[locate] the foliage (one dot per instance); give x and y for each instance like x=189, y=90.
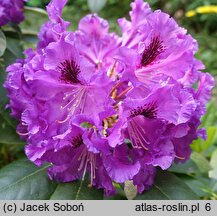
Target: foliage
x=193, y=180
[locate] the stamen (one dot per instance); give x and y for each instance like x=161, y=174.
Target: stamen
x=22, y=134
x=85, y=169
x=137, y=135
x=123, y=93
x=115, y=87
x=92, y=168
x=69, y=94
x=112, y=71
x=99, y=64
x=152, y=51
x=181, y=158
x=63, y=121
x=85, y=159
x=82, y=159
x=77, y=103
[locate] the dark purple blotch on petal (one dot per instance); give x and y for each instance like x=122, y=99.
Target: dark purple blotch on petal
x=148, y=110
x=69, y=72
x=152, y=51
x=77, y=141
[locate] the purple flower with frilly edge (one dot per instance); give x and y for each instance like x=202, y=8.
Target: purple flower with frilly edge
x=112, y=108
x=11, y=11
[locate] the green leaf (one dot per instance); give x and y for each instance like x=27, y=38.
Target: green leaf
x=213, y=163
x=8, y=133
x=211, y=137
x=35, y=2
x=199, y=185
x=23, y=180
x=30, y=36
x=11, y=34
x=215, y=187
x=201, y=161
x=213, y=173
x=188, y=168
x=3, y=98
x=154, y=194
x=77, y=190
x=168, y=187
x=34, y=19
x=14, y=46
x=14, y=51
x=3, y=43
x=115, y=197
x=16, y=28
x=209, y=119
x=201, y=145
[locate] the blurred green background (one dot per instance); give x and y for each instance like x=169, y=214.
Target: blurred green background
x=200, y=173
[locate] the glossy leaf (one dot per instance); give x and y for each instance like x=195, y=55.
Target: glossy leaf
x=14, y=46
x=188, y=167
x=215, y=187
x=23, y=180
x=77, y=190
x=199, y=185
x=213, y=163
x=3, y=43
x=168, y=187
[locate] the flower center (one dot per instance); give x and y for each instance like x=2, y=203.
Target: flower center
x=69, y=72
x=152, y=51
x=109, y=122
x=148, y=110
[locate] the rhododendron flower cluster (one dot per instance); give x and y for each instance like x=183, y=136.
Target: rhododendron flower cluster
x=11, y=11
x=107, y=107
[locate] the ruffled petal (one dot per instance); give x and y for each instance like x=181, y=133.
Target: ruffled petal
x=118, y=165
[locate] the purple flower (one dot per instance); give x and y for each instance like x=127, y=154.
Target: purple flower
x=55, y=27
x=112, y=108
x=11, y=11
x=95, y=42
x=154, y=44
